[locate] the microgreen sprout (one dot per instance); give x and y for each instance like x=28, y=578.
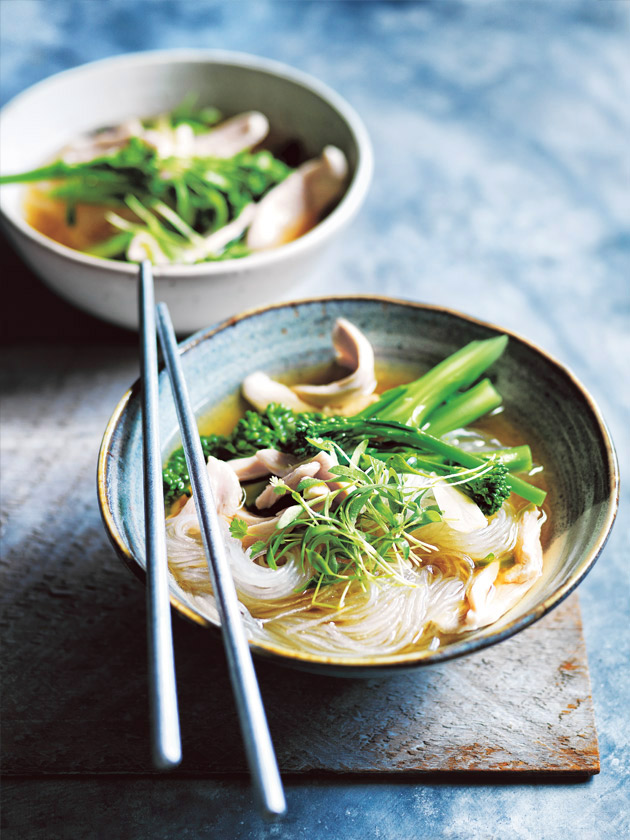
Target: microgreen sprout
x=362, y=530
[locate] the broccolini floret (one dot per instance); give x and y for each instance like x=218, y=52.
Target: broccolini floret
x=274, y=428
x=489, y=489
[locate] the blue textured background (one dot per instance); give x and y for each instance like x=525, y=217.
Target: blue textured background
x=502, y=188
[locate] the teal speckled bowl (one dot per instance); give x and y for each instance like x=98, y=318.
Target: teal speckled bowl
x=543, y=400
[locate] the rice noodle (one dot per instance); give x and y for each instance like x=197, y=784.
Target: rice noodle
x=450, y=581
x=188, y=563
x=386, y=618
x=499, y=538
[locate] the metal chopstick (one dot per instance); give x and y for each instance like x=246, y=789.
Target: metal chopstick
x=257, y=739
x=165, y=733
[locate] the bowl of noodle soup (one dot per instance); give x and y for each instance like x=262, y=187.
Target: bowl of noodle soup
x=287, y=117
x=393, y=627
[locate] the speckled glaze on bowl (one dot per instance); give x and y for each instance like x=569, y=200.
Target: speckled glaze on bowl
x=109, y=91
x=542, y=399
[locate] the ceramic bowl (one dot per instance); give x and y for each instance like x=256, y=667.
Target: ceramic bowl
x=543, y=401
x=109, y=91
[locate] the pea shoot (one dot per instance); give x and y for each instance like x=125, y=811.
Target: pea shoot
x=358, y=532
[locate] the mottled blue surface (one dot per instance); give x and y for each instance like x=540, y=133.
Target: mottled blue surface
x=502, y=188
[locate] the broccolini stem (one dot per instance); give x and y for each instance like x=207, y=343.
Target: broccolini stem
x=372, y=411
x=516, y=458
x=416, y=438
x=463, y=409
x=413, y=403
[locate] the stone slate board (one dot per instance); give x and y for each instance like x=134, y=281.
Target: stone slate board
x=74, y=697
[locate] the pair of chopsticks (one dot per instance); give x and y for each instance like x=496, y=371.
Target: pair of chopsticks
x=162, y=689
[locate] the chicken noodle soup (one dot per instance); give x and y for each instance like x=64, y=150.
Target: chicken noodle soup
x=184, y=187
x=358, y=523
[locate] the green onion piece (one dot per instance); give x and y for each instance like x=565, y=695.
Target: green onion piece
x=112, y=247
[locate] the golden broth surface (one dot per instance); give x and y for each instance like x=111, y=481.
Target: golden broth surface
x=48, y=216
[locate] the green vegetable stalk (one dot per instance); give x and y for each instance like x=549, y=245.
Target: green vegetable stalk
x=389, y=429
x=462, y=409
x=348, y=432
x=413, y=403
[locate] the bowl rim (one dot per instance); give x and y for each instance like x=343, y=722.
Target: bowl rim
x=346, y=208
x=354, y=665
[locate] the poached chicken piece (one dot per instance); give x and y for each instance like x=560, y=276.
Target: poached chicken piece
x=343, y=396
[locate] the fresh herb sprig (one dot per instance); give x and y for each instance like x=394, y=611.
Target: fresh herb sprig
x=362, y=531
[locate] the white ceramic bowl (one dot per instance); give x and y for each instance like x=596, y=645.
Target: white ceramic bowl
x=38, y=122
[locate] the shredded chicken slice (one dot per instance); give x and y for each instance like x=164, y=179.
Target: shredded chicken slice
x=260, y=390
x=296, y=204
x=225, y=486
x=317, y=467
x=480, y=592
x=268, y=497
x=233, y=136
x=490, y=600
x=354, y=351
x=347, y=395
x=326, y=461
x=228, y=497
x=528, y=549
x=101, y=143
x=277, y=463
x=264, y=462
x=169, y=142
x=248, y=469
x=258, y=527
